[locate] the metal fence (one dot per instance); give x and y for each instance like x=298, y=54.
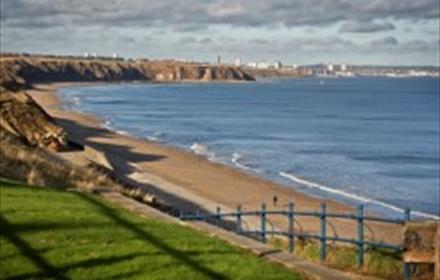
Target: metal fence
x=322, y=236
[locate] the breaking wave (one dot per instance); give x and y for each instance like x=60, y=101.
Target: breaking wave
x=202, y=150
x=314, y=185
x=236, y=157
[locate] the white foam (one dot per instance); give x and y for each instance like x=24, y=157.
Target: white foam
x=76, y=100
x=236, y=160
x=108, y=124
x=122, y=132
x=199, y=149
x=315, y=185
x=202, y=150
x=152, y=138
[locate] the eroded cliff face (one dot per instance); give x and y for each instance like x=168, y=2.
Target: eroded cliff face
x=29, y=70
x=22, y=117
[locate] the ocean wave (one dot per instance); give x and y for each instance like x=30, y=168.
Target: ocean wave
x=152, y=138
x=236, y=157
x=156, y=136
x=356, y=197
x=108, y=124
x=122, y=132
x=76, y=101
x=71, y=102
x=202, y=150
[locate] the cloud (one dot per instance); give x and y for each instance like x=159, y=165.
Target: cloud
x=192, y=14
x=385, y=41
x=328, y=44
x=205, y=40
x=187, y=40
x=366, y=27
x=259, y=41
x=127, y=39
x=296, y=29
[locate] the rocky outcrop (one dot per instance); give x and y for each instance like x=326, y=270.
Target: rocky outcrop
x=22, y=117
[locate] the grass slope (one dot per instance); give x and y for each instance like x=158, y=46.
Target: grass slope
x=46, y=233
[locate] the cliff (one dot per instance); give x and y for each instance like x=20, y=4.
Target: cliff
x=28, y=133
x=21, y=116
x=276, y=73
x=26, y=71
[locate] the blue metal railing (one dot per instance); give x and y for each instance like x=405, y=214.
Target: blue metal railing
x=322, y=215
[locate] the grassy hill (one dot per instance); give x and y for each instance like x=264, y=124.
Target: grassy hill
x=47, y=233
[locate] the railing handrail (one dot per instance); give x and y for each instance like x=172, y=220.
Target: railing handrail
x=322, y=215
x=296, y=213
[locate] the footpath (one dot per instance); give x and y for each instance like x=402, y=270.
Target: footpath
x=311, y=270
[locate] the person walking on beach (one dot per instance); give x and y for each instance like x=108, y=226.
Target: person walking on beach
x=275, y=200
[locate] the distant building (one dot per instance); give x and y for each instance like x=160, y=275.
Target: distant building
x=237, y=62
x=343, y=67
x=330, y=67
x=252, y=64
x=278, y=64
x=115, y=55
x=219, y=59
x=263, y=65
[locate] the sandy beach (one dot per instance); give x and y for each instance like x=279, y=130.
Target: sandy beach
x=192, y=182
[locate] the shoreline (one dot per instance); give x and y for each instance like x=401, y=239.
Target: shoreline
x=205, y=183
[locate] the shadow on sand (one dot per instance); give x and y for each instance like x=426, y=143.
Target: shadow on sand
x=121, y=157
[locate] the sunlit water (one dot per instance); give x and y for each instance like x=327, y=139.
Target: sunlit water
x=359, y=140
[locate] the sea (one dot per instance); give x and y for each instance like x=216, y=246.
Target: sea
x=370, y=141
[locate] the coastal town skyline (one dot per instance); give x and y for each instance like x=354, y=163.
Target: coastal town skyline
x=362, y=32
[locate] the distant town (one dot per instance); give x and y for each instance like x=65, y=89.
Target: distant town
x=278, y=68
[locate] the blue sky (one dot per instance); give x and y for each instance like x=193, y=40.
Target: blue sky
x=393, y=32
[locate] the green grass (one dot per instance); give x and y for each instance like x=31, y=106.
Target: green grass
x=48, y=233
x=379, y=263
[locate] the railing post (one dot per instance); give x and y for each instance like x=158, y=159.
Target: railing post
x=290, y=227
x=406, y=271
x=407, y=214
x=263, y=223
x=238, y=229
x=218, y=216
x=360, y=236
x=323, y=236
x=407, y=266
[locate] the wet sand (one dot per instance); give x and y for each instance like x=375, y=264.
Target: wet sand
x=189, y=181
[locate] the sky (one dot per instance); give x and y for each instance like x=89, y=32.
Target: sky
x=383, y=32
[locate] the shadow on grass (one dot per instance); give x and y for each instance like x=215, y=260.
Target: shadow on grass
x=11, y=232
x=45, y=267
x=180, y=256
